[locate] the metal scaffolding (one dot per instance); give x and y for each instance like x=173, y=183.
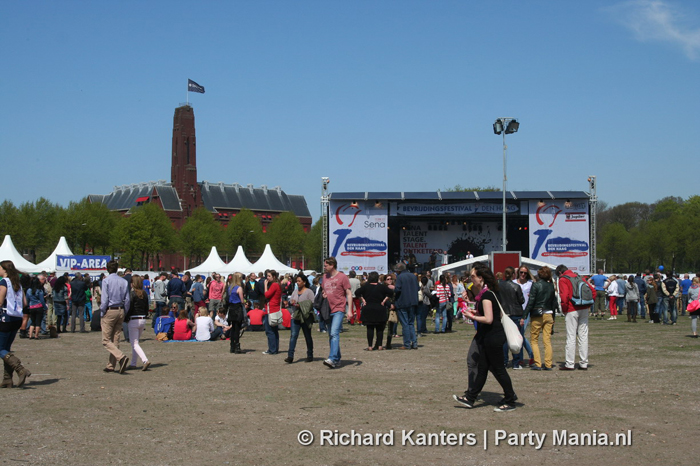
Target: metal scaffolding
x=593, y=202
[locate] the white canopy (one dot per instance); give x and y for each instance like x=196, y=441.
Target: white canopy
x=212, y=264
x=239, y=263
x=62, y=249
x=269, y=261
x=465, y=264
x=9, y=252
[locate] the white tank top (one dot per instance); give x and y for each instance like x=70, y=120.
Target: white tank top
x=13, y=299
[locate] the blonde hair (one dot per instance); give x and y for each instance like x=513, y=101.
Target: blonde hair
x=203, y=311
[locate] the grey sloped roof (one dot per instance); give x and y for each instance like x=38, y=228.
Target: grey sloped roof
x=124, y=197
x=234, y=196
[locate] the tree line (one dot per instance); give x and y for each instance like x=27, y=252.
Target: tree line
x=635, y=236
x=146, y=234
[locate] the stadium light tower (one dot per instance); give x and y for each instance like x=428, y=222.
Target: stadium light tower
x=505, y=126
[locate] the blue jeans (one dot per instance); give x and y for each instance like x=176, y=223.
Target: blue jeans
x=526, y=342
x=296, y=327
x=642, y=308
x=422, y=318
x=670, y=308
x=6, y=338
x=273, y=336
x=407, y=317
x=160, y=305
x=334, y=336
x=517, y=358
x=441, y=311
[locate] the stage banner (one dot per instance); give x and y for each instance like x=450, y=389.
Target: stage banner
x=79, y=263
x=358, y=236
x=560, y=234
x=462, y=208
x=422, y=239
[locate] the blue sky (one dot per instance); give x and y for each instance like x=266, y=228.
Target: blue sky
x=377, y=95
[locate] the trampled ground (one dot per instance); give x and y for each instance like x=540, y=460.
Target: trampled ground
x=199, y=404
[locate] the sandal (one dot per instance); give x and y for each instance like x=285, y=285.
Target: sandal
x=381, y=348
x=369, y=349
x=504, y=408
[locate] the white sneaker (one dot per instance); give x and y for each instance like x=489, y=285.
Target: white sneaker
x=611, y=318
x=330, y=364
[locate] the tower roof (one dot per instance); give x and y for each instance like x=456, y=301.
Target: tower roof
x=235, y=197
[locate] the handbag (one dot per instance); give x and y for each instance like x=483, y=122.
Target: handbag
x=694, y=305
x=393, y=317
x=515, y=339
x=274, y=318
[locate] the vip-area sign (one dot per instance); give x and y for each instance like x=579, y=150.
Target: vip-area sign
x=560, y=234
x=358, y=236
x=82, y=262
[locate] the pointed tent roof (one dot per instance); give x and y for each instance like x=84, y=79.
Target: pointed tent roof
x=239, y=263
x=62, y=249
x=9, y=252
x=269, y=261
x=213, y=263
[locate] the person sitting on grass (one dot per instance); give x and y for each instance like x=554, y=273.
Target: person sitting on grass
x=205, y=326
x=256, y=318
x=223, y=329
x=183, y=327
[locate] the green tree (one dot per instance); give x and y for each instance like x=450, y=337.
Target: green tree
x=286, y=235
x=10, y=221
x=245, y=230
x=614, y=246
x=144, y=235
x=199, y=233
x=313, y=246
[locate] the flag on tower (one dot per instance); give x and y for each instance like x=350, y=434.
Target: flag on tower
x=194, y=87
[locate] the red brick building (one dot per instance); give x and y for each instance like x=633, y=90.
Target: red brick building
x=183, y=194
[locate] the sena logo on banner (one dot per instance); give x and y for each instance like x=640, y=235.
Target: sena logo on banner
x=560, y=234
x=358, y=234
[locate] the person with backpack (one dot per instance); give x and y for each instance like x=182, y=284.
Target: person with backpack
x=577, y=297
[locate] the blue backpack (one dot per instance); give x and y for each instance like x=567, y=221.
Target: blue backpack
x=582, y=293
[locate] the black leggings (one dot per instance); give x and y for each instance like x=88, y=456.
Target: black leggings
x=36, y=315
x=235, y=333
x=371, y=330
x=489, y=354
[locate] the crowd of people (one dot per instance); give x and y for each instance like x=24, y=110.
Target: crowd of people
x=184, y=308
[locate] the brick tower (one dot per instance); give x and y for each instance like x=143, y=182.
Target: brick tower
x=184, y=163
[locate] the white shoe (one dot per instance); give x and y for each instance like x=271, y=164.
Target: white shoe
x=330, y=364
x=611, y=318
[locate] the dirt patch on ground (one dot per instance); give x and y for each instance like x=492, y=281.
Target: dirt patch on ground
x=199, y=404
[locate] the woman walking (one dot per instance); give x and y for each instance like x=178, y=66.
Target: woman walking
x=443, y=292
x=302, y=299
x=13, y=300
x=693, y=294
x=487, y=345
x=540, y=308
x=136, y=321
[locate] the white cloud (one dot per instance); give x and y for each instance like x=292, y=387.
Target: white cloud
x=658, y=20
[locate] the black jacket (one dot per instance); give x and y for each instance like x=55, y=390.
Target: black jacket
x=511, y=296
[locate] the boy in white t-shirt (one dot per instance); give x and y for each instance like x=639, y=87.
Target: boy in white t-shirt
x=223, y=329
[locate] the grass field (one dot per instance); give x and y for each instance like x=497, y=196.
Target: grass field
x=199, y=404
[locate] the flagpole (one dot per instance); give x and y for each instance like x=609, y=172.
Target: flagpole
x=187, y=99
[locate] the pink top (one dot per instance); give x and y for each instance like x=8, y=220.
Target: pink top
x=335, y=288
x=216, y=290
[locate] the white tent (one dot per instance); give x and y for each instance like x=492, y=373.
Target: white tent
x=62, y=249
x=466, y=264
x=239, y=263
x=269, y=261
x=212, y=264
x=9, y=252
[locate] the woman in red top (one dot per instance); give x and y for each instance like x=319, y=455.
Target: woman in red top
x=183, y=327
x=273, y=296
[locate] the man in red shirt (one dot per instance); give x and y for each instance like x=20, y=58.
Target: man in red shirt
x=336, y=289
x=576, y=319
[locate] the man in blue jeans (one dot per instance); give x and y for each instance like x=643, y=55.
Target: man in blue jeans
x=336, y=289
x=406, y=293
x=512, y=301
x=670, y=291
